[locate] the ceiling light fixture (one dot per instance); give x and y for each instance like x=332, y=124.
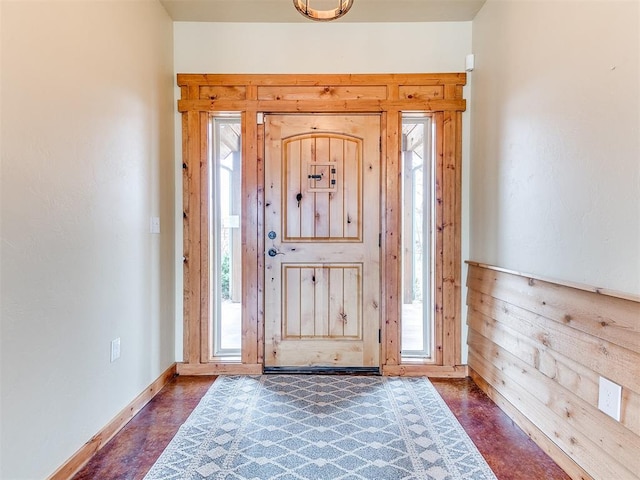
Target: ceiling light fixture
x=322, y=15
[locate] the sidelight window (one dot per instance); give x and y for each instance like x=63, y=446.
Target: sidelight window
x=417, y=234
x=225, y=264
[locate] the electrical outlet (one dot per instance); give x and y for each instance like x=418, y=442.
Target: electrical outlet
x=115, y=349
x=610, y=398
x=154, y=225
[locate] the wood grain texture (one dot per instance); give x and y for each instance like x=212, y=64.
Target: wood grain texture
x=250, y=242
x=322, y=301
x=216, y=368
x=323, y=92
x=544, y=442
x=226, y=92
x=611, y=436
x=609, y=318
x=451, y=163
x=100, y=439
x=329, y=206
x=392, y=239
x=439, y=251
x=563, y=283
x=384, y=202
x=304, y=106
x=198, y=79
x=302, y=310
x=204, y=350
x=421, y=370
x=259, y=217
x=541, y=347
x=456, y=249
x=389, y=94
x=421, y=92
x=187, y=294
x=192, y=242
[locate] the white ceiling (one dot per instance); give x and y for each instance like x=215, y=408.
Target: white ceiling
x=284, y=11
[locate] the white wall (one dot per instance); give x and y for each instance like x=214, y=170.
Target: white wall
x=555, y=164
x=321, y=48
x=87, y=158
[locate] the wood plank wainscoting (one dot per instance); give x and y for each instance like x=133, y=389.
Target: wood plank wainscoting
x=538, y=348
x=439, y=96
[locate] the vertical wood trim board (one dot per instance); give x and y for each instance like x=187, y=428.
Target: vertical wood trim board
x=260, y=245
x=191, y=132
x=438, y=290
x=540, y=347
x=250, y=242
x=450, y=280
x=205, y=247
x=392, y=252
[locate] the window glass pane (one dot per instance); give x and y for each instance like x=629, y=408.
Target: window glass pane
x=225, y=236
x=417, y=256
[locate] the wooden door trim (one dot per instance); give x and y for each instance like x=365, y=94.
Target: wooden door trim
x=203, y=95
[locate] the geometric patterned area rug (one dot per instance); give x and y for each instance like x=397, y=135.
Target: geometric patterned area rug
x=321, y=428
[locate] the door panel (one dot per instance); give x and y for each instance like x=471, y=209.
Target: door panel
x=325, y=168
x=322, y=225
x=321, y=301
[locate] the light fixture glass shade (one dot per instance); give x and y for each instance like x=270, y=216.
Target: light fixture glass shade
x=304, y=7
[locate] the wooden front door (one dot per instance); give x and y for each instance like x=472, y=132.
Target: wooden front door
x=322, y=234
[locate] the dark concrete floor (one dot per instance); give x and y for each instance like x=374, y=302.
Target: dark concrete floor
x=510, y=453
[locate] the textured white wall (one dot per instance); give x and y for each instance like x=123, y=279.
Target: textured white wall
x=555, y=163
x=321, y=48
x=87, y=152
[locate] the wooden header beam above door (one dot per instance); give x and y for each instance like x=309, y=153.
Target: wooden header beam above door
x=322, y=93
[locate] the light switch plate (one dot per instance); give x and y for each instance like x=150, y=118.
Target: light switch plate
x=115, y=349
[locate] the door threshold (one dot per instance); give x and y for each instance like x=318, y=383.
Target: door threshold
x=324, y=370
